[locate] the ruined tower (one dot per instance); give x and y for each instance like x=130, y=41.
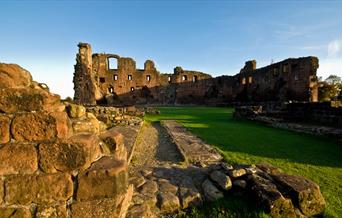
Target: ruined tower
x=83, y=80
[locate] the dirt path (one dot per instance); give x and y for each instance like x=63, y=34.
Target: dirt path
x=163, y=181
x=154, y=148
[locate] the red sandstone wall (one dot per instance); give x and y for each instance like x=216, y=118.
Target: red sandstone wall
x=291, y=79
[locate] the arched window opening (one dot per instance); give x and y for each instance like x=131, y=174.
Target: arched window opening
x=111, y=89
x=148, y=78
x=194, y=79
x=112, y=64
x=115, y=77
x=169, y=79
x=184, y=78
x=132, y=89
x=130, y=77
x=243, y=81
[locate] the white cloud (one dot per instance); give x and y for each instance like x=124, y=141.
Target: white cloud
x=329, y=66
x=334, y=47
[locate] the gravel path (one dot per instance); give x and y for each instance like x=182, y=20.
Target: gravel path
x=154, y=148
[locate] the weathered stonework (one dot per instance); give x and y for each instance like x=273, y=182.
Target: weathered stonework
x=97, y=81
x=46, y=148
x=18, y=159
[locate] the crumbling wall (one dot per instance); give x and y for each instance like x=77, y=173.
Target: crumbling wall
x=56, y=160
x=84, y=83
x=288, y=80
x=292, y=79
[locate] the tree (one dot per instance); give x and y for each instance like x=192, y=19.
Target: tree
x=330, y=89
x=333, y=79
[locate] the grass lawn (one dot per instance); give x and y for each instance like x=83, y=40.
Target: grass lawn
x=317, y=158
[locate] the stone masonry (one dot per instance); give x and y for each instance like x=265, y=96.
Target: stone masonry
x=56, y=160
x=108, y=79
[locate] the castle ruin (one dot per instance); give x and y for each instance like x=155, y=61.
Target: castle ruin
x=108, y=79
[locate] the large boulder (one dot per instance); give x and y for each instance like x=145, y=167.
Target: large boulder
x=305, y=194
x=270, y=198
x=12, y=75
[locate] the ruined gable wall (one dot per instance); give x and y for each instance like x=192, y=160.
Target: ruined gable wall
x=290, y=79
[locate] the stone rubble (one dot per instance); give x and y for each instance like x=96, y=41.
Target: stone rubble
x=162, y=191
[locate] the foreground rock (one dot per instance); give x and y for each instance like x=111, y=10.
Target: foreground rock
x=305, y=194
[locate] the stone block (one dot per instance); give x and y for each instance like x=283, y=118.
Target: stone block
x=168, y=202
x=12, y=75
x=15, y=212
x=2, y=191
x=56, y=211
x=190, y=197
x=86, y=125
x=14, y=100
x=106, y=178
x=39, y=189
x=269, y=197
x=211, y=193
x=76, y=111
x=76, y=153
x=18, y=159
x=140, y=210
x=221, y=179
x=33, y=127
x=63, y=124
x=305, y=194
x=235, y=173
x=4, y=129
x=113, y=139
x=109, y=207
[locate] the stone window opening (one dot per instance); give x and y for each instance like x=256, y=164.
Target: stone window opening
x=275, y=71
x=115, y=77
x=184, y=78
x=243, y=81
x=169, y=79
x=112, y=63
x=132, y=89
x=111, y=89
x=130, y=77
x=250, y=80
x=194, y=79
x=102, y=80
x=148, y=78
x=296, y=77
x=285, y=68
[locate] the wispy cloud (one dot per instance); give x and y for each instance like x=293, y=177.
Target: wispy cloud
x=332, y=63
x=334, y=48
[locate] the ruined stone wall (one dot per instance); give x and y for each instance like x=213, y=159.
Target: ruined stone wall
x=123, y=84
x=291, y=79
x=56, y=160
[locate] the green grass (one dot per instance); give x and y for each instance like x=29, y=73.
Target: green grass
x=317, y=158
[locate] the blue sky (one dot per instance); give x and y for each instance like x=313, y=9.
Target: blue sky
x=211, y=36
